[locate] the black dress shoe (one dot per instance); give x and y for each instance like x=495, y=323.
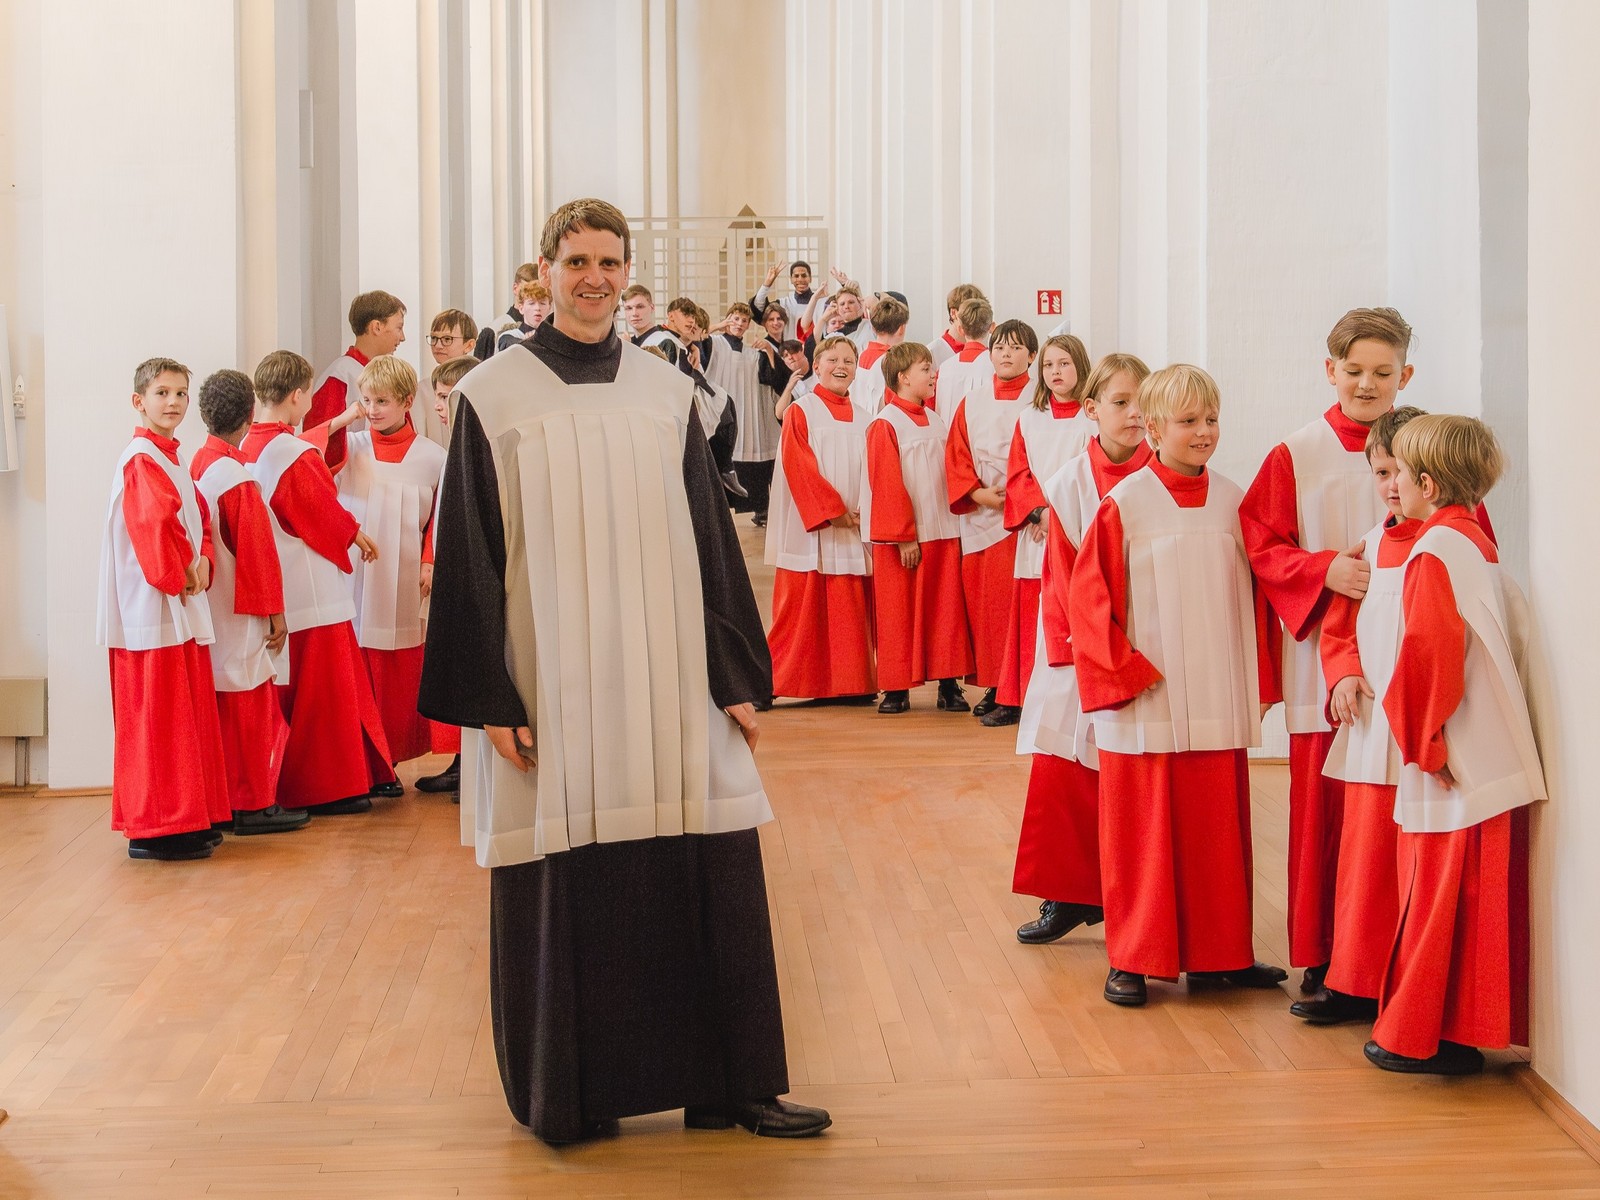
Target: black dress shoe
x=770, y=1117
x=1057, y=919
x=1314, y=980
x=1125, y=988
x=272, y=819
x=1329, y=1007
x=1001, y=714
x=985, y=706
x=175, y=847
x=212, y=837
x=1451, y=1058
x=340, y=808
x=222, y=826
x=1257, y=975
x=951, y=698
x=392, y=790
x=447, y=780
x=762, y=705
x=591, y=1131
x=759, y=520
x=895, y=702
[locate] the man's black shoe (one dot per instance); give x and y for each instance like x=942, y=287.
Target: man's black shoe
x=1056, y=920
x=1257, y=975
x=895, y=702
x=175, y=847
x=392, y=790
x=1313, y=980
x=951, y=698
x=1329, y=1007
x=985, y=706
x=447, y=780
x=340, y=808
x=272, y=819
x=1125, y=988
x=1451, y=1058
x=770, y=1117
x=1001, y=714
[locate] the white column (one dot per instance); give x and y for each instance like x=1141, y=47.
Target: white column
x=1093, y=175
x=140, y=186
x=1563, y=308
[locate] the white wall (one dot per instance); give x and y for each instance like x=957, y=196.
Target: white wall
x=1563, y=310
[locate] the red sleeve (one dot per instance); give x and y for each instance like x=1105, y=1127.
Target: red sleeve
x=1023, y=493
x=208, y=549
x=1483, y=521
x=1430, y=671
x=960, y=469
x=330, y=400
x=893, y=519
x=306, y=504
x=817, y=499
x=1341, y=656
x=1059, y=556
x=1110, y=671
x=153, y=511
x=1269, y=648
x=1294, y=579
x=246, y=530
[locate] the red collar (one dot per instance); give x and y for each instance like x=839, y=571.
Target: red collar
x=838, y=405
x=403, y=436
x=1188, y=490
x=916, y=411
x=221, y=448
x=167, y=446
x=970, y=351
x=1010, y=389
x=1352, y=434
x=361, y=358
x=955, y=346
x=1108, y=474
x=1064, y=410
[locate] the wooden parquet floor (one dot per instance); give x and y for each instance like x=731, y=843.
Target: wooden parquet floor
x=307, y=1016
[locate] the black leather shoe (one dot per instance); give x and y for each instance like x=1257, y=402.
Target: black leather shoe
x=1125, y=988
x=895, y=702
x=340, y=808
x=212, y=836
x=175, y=847
x=447, y=780
x=1314, y=980
x=1001, y=714
x=222, y=826
x=1329, y=1007
x=392, y=790
x=1257, y=975
x=1451, y=1058
x=951, y=698
x=1057, y=919
x=759, y=520
x=770, y=1117
x=762, y=705
x=985, y=706
x=272, y=819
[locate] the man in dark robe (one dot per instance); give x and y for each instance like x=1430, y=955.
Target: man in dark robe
x=631, y=972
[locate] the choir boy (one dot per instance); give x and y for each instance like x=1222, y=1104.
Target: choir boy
x=1050, y=432
x=982, y=424
x=336, y=757
x=1058, y=848
x=821, y=634
x=639, y=311
x=388, y=486
x=1311, y=501
x=169, y=781
x=738, y=369
x=489, y=335
x=246, y=602
x=801, y=377
x=1175, y=689
x=797, y=303
x=920, y=614
x=533, y=306
x=949, y=343
x=958, y=373
x=889, y=316
x=1457, y=976
x=451, y=335
x=378, y=321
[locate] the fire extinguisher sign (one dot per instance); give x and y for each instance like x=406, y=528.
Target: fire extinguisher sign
x=1049, y=302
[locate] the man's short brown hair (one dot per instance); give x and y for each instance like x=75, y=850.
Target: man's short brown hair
x=1460, y=454
x=897, y=360
x=452, y=371
x=588, y=213
x=145, y=373
x=976, y=318
x=889, y=316
x=453, y=320
x=372, y=306
x=1381, y=324
x=279, y=375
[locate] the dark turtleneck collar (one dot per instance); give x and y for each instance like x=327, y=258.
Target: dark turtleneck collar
x=574, y=361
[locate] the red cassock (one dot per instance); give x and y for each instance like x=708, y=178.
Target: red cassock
x=821, y=636
x=1458, y=970
x=442, y=738
x=332, y=397
x=1058, y=846
x=168, y=770
x=920, y=611
x=253, y=729
x=987, y=574
x=1174, y=827
x=336, y=746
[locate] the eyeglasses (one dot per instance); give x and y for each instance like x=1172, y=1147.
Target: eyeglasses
x=444, y=339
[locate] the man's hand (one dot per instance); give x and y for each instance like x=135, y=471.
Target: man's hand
x=427, y=580
x=505, y=742
x=368, y=547
x=991, y=498
x=847, y=520
x=1345, y=700
x=772, y=273
x=277, y=633
x=745, y=715
x=910, y=554
x=1349, y=574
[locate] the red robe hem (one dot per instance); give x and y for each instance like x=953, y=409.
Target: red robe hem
x=821, y=636
x=336, y=747
x=921, y=616
x=1058, y=848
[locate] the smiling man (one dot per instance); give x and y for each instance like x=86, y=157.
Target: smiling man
x=591, y=614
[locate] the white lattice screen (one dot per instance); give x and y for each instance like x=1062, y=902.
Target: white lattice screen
x=717, y=260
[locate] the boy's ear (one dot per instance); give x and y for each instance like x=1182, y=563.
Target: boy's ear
x=409, y=400
x=1405, y=374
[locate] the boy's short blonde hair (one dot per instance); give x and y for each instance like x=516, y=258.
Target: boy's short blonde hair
x=829, y=343
x=1110, y=366
x=389, y=376
x=1380, y=324
x=452, y=371
x=1176, y=390
x=532, y=289
x=889, y=316
x=960, y=294
x=1460, y=454
x=279, y=375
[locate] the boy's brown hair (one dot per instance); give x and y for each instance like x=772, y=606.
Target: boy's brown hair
x=1460, y=454
x=279, y=375
x=588, y=213
x=525, y=273
x=145, y=373
x=976, y=318
x=452, y=371
x=889, y=316
x=453, y=320
x=227, y=401
x=1380, y=435
x=532, y=290
x=1172, y=391
x=637, y=289
x=1381, y=324
x=372, y=306
x=1109, y=366
x=682, y=304
x=1080, y=367
x=1016, y=331
x=740, y=309
x=389, y=376
x=897, y=360
x=960, y=294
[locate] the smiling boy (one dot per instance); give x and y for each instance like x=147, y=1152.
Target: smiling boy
x=378, y=322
